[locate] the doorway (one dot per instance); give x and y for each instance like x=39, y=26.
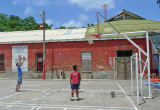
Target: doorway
x=39, y=61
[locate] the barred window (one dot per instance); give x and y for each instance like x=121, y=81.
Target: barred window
x=39, y=61
x=1, y=62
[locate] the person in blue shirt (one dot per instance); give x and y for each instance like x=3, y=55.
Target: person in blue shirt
x=19, y=79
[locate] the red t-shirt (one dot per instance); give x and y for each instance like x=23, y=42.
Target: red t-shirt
x=75, y=76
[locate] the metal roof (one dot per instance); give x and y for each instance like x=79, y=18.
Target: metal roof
x=36, y=36
x=125, y=26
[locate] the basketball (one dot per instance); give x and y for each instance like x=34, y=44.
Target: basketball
x=41, y=27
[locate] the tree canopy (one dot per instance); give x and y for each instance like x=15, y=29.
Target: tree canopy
x=158, y=2
x=63, y=27
x=15, y=23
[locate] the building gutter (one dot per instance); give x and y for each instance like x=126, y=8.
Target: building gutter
x=69, y=40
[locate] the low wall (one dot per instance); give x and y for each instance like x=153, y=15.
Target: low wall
x=59, y=75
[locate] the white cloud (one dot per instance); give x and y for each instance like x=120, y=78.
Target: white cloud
x=49, y=21
x=83, y=17
x=29, y=11
x=80, y=22
x=73, y=23
x=15, y=2
x=93, y=4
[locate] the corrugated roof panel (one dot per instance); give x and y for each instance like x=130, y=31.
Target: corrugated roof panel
x=68, y=32
x=124, y=26
x=37, y=35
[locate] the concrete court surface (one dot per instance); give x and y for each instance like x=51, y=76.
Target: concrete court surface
x=55, y=95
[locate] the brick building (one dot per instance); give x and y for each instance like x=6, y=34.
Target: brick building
x=64, y=48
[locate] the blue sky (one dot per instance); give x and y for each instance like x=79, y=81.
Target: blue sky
x=77, y=13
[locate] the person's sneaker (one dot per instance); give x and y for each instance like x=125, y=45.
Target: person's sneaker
x=72, y=99
x=78, y=98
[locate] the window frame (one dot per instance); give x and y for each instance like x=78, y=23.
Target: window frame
x=82, y=62
x=3, y=63
x=37, y=63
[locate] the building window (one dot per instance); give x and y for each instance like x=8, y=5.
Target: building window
x=1, y=62
x=86, y=61
x=39, y=61
x=124, y=53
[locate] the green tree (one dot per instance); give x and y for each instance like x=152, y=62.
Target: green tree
x=3, y=17
x=14, y=18
x=30, y=23
x=15, y=23
x=71, y=27
x=3, y=20
x=89, y=25
x=158, y=2
x=62, y=27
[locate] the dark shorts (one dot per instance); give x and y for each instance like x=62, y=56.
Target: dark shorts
x=19, y=79
x=74, y=86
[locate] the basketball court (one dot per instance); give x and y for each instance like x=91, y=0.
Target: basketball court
x=94, y=94
x=55, y=95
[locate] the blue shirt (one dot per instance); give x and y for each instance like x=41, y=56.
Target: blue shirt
x=19, y=70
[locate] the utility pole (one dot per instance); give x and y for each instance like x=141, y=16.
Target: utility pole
x=42, y=14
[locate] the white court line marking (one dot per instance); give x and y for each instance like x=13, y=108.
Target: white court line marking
x=34, y=99
x=18, y=102
x=24, y=96
x=9, y=96
x=68, y=106
x=44, y=96
x=127, y=97
x=9, y=106
x=38, y=108
x=43, y=91
x=65, y=108
x=32, y=108
x=86, y=90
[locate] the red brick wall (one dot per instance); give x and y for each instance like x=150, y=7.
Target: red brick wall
x=62, y=55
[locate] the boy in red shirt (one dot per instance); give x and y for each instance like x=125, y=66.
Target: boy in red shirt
x=75, y=79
